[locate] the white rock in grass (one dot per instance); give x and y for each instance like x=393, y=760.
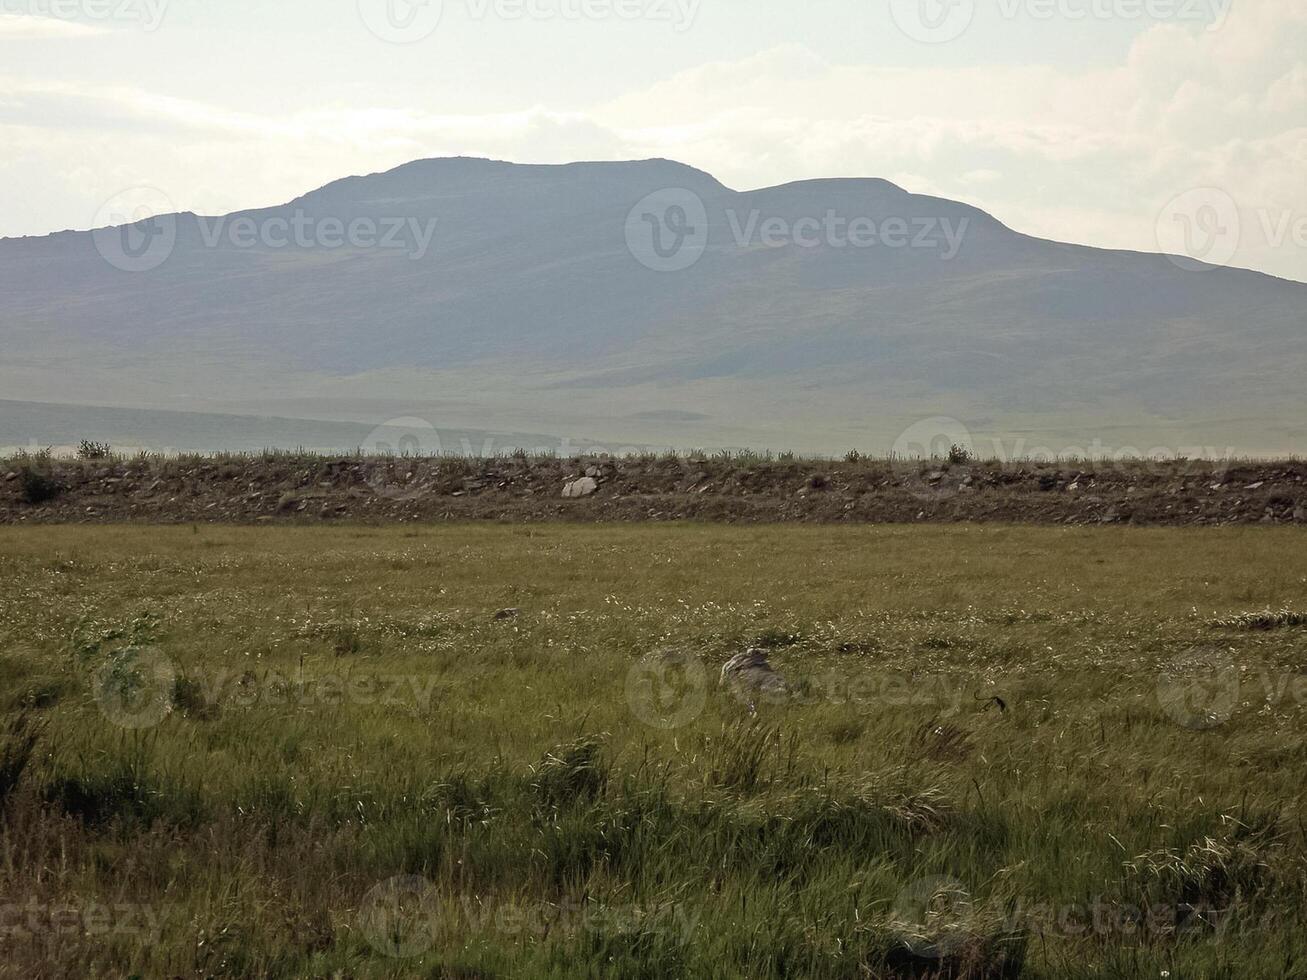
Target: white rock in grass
x=749, y=673
x=581, y=488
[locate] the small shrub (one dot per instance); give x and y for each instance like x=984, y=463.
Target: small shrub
x=960, y=455
x=94, y=450
x=38, y=485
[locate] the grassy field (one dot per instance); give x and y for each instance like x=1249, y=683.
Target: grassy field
x=1007, y=751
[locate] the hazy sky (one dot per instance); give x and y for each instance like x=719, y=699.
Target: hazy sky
x=1100, y=121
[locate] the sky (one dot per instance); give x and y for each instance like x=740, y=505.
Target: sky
x=1174, y=125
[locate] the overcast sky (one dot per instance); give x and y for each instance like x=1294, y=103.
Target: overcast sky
x=1108, y=122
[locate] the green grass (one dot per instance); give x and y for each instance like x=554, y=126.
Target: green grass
x=316, y=752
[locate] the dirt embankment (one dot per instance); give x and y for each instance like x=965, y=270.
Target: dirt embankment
x=313, y=489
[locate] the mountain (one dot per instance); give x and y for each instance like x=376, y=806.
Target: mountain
x=646, y=303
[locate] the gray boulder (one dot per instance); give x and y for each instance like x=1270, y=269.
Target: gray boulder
x=583, y=487
x=749, y=675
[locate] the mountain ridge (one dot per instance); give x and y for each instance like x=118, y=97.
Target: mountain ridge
x=535, y=297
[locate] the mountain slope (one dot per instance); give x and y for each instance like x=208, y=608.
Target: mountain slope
x=534, y=297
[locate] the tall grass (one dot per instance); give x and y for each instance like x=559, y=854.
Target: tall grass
x=483, y=797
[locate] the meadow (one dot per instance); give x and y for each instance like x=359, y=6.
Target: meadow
x=476, y=751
